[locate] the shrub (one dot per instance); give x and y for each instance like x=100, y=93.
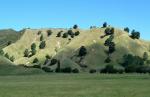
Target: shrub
x=42, y=45
x=53, y=62
x=70, y=32
x=47, y=69
x=75, y=70
x=59, y=34
x=107, y=60
x=82, y=51
x=76, y=33
x=9, y=43
x=109, y=31
x=33, y=46
x=41, y=38
x=127, y=29
x=109, y=69
x=39, y=32
x=35, y=60
x=7, y=56
x=75, y=26
x=65, y=35
x=135, y=35
x=104, y=24
x=143, y=69
x=145, y=56
x=66, y=70
x=12, y=58
x=1, y=52
x=36, y=66
x=33, y=52
x=26, y=53
x=48, y=56
x=58, y=69
x=49, y=32
x=131, y=63
x=92, y=71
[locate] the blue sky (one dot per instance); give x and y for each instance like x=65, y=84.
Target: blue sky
x=18, y=14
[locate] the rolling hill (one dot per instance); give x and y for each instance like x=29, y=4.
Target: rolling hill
x=8, y=35
x=66, y=49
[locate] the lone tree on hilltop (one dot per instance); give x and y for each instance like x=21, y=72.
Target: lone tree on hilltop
x=75, y=26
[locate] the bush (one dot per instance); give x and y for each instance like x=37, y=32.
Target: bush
x=33, y=46
x=12, y=58
x=33, y=52
x=39, y=32
x=75, y=26
x=1, y=52
x=77, y=33
x=104, y=24
x=127, y=29
x=75, y=70
x=7, y=56
x=59, y=34
x=35, y=60
x=109, y=31
x=26, y=53
x=135, y=35
x=107, y=60
x=9, y=43
x=41, y=38
x=49, y=32
x=47, y=69
x=70, y=32
x=92, y=71
x=42, y=45
x=48, y=56
x=66, y=70
x=53, y=62
x=82, y=51
x=109, y=69
x=145, y=56
x=65, y=35
x=36, y=66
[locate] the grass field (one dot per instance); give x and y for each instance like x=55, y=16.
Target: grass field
x=75, y=85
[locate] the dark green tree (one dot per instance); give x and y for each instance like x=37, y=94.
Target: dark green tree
x=7, y=56
x=35, y=60
x=145, y=56
x=59, y=34
x=39, y=32
x=127, y=29
x=41, y=38
x=33, y=46
x=26, y=53
x=42, y=45
x=49, y=32
x=1, y=52
x=9, y=43
x=135, y=35
x=12, y=58
x=104, y=24
x=76, y=33
x=75, y=26
x=65, y=35
x=82, y=51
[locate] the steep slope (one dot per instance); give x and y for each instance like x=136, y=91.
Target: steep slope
x=66, y=50
x=7, y=35
x=8, y=68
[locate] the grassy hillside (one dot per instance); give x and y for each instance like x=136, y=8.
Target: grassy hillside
x=7, y=35
x=8, y=68
x=64, y=49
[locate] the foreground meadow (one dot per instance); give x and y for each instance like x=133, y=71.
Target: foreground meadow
x=75, y=85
